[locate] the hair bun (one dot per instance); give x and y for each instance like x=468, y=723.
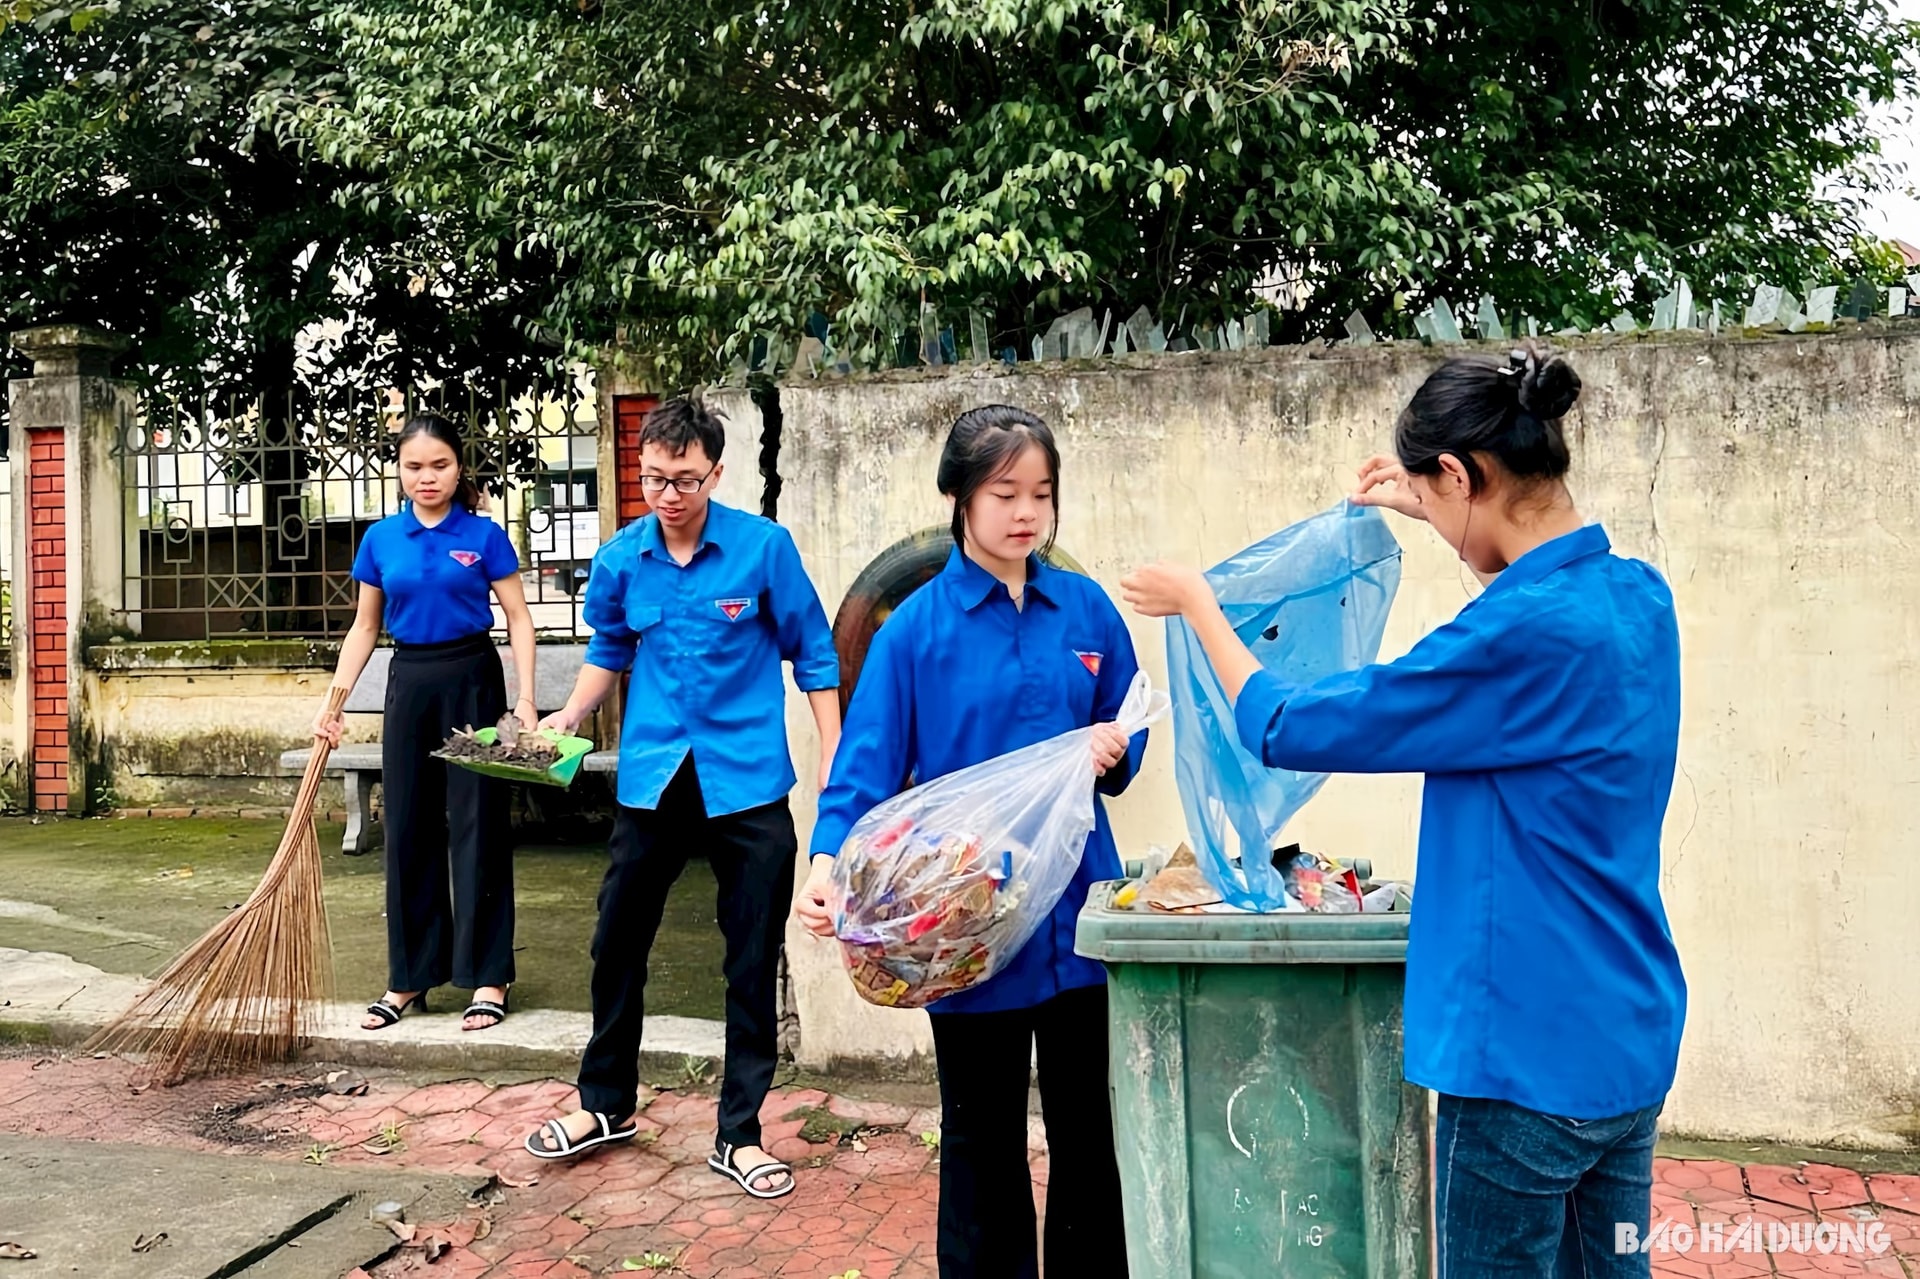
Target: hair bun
x=1548, y=390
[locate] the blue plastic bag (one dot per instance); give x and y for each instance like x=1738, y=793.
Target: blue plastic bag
x=1310, y=601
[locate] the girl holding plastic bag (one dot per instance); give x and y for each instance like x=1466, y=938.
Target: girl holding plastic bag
x=998, y=652
x=1544, y=995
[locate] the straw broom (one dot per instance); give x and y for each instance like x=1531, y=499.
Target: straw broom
x=251, y=990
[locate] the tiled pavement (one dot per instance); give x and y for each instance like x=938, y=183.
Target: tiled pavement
x=866, y=1196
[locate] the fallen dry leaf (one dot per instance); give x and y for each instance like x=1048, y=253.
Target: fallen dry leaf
x=433, y=1246
x=403, y=1229
x=518, y=1183
x=859, y=1146
x=346, y=1083
x=11, y=1251
x=147, y=1243
x=482, y=1228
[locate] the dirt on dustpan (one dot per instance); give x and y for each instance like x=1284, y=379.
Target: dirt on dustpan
x=1179, y=886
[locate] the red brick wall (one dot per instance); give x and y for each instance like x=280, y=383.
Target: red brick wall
x=47, y=556
x=628, y=413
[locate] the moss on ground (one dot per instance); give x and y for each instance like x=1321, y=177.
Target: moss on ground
x=113, y=894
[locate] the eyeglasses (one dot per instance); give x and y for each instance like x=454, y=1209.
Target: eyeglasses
x=660, y=483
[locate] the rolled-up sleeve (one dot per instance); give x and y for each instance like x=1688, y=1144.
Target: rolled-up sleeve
x=805, y=637
x=604, y=611
x=875, y=755
x=1484, y=693
x=1117, y=670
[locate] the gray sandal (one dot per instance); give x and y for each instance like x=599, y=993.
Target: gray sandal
x=565, y=1147
x=721, y=1161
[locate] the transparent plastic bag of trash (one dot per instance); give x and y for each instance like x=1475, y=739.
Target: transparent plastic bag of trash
x=938, y=887
x=1310, y=601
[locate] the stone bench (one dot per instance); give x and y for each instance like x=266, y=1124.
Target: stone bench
x=556, y=666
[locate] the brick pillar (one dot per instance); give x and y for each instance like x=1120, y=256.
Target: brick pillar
x=46, y=670
x=629, y=411
x=71, y=535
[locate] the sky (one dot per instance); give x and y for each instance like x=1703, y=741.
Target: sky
x=1896, y=215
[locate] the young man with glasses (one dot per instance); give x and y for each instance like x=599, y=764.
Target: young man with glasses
x=703, y=602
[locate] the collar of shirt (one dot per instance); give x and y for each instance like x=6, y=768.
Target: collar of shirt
x=1549, y=558
x=975, y=586
x=449, y=523
x=653, y=542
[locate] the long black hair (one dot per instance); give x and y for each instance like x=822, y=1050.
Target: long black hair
x=983, y=443
x=442, y=429
x=1508, y=410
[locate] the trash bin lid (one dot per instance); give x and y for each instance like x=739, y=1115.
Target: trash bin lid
x=1143, y=936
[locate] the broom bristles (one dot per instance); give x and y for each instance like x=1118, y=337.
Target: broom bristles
x=250, y=991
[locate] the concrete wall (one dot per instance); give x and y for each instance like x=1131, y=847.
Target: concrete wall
x=13, y=789
x=1769, y=478
x=197, y=726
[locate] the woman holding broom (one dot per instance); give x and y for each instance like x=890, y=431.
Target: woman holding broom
x=427, y=572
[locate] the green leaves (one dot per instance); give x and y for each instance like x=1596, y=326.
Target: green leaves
x=693, y=174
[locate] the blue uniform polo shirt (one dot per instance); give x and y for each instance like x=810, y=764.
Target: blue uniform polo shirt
x=437, y=581
x=958, y=675
x=1546, y=716
x=705, y=641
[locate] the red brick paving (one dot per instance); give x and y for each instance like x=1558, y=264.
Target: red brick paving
x=868, y=1210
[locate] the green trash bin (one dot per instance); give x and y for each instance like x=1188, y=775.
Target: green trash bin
x=1262, y=1122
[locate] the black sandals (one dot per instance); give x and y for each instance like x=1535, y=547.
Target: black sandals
x=550, y=1140
x=486, y=1008
x=721, y=1161
x=391, y=1013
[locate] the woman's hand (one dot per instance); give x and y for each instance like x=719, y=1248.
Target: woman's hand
x=528, y=715
x=1109, y=747
x=1375, y=475
x=811, y=909
x=1165, y=590
x=564, y=721
x=328, y=726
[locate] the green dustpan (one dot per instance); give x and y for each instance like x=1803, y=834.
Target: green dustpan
x=560, y=773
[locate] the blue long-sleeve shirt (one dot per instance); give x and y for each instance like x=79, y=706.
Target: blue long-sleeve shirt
x=958, y=675
x=705, y=641
x=1546, y=716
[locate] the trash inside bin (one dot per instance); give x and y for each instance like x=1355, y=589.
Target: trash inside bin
x=1261, y=1119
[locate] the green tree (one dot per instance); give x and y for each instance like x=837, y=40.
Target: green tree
x=707, y=173
x=142, y=191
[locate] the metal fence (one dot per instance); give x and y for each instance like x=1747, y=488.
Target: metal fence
x=243, y=522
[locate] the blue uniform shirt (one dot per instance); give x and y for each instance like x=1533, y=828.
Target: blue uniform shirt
x=437, y=581
x=705, y=641
x=959, y=675
x=1546, y=717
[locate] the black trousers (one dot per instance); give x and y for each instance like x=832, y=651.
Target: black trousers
x=449, y=850
x=986, y=1190
x=752, y=855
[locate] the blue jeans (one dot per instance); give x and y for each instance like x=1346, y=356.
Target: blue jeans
x=1523, y=1195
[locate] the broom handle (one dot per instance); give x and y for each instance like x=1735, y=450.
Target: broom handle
x=317, y=761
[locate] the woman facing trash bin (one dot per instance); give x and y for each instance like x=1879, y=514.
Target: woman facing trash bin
x=1544, y=996
x=427, y=573
x=997, y=652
